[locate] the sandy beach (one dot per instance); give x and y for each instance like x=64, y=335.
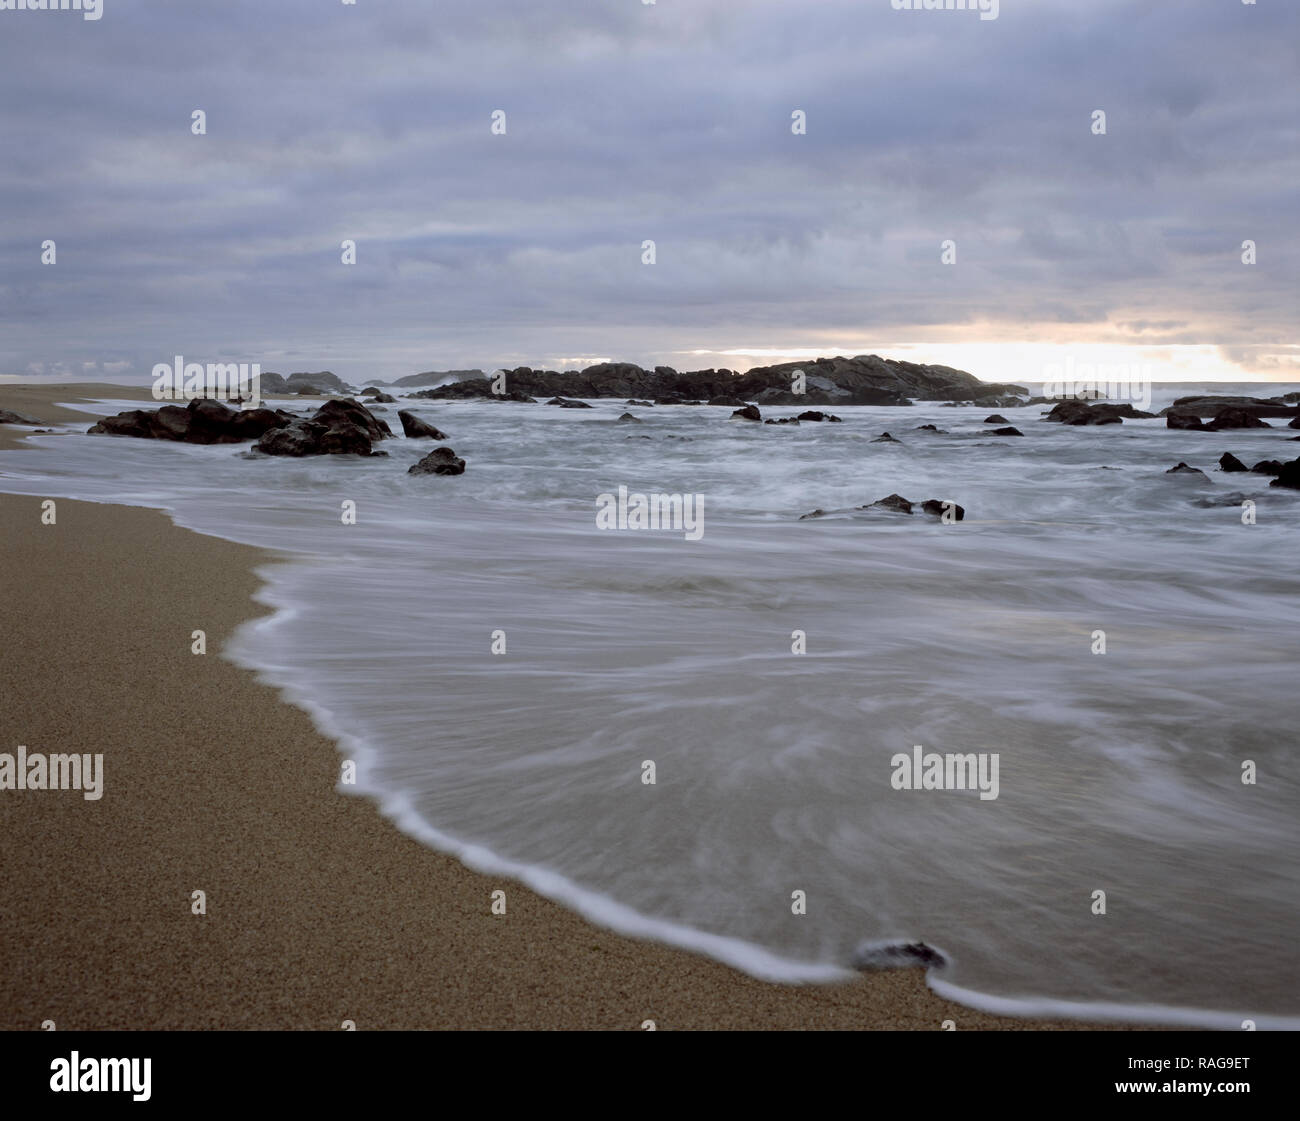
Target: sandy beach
x=318, y=909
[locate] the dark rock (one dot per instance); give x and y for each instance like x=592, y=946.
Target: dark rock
x=1211, y=406
x=996, y=418
x=1268, y=467
x=6, y=417
x=1105, y=412
x=813, y=414
x=575, y=405
x=371, y=391
x=324, y=382
x=349, y=411
x=1008, y=431
x=645, y=404
x=384, y=398
x=440, y=461
x=1294, y=423
x=628, y=418
x=749, y=412
x=1183, y=420
x=338, y=427
x=416, y=429
x=202, y=421
x=1289, y=476
x=1229, y=462
x=1235, y=418
x=929, y=428
x=1183, y=469
x=937, y=508
x=783, y=420
x=818, y=513
x=893, y=502
x=861, y=380
x=886, y=438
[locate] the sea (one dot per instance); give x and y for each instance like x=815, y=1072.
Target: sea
x=509, y=676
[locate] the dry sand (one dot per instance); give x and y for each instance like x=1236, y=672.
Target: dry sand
x=318, y=909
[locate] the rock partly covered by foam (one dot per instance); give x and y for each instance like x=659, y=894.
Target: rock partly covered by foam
x=440, y=461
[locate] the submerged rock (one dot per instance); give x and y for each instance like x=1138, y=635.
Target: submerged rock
x=814, y=414
x=749, y=412
x=783, y=420
x=872, y=957
x=1183, y=420
x=1008, y=431
x=937, y=508
x=440, y=461
x=886, y=438
x=1183, y=469
x=895, y=502
x=628, y=418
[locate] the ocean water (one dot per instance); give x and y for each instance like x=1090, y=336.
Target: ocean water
x=1118, y=772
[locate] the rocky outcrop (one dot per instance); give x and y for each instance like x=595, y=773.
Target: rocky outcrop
x=1183, y=469
x=1204, y=406
x=1229, y=462
x=628, y=418
x=1008, y=431
x=814, y=415
x=863, y=380
x=416, y=429
x=1268, y=467
x=1184, y=420
x=1101, y=412
x=341, y=427
x=749, y=412
x=1289, y=476
x=440, y=461
x=202, y=421
x=886, y=438
x=1234, y=417
x=996, y=418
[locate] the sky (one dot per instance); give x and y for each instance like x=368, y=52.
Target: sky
x=670, y=122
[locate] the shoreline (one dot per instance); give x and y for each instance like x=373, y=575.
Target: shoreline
x=319, y=909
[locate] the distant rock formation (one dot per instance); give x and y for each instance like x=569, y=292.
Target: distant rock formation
x=864, y=380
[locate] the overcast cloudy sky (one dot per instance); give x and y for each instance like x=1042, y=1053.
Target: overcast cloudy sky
x=628, y=121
